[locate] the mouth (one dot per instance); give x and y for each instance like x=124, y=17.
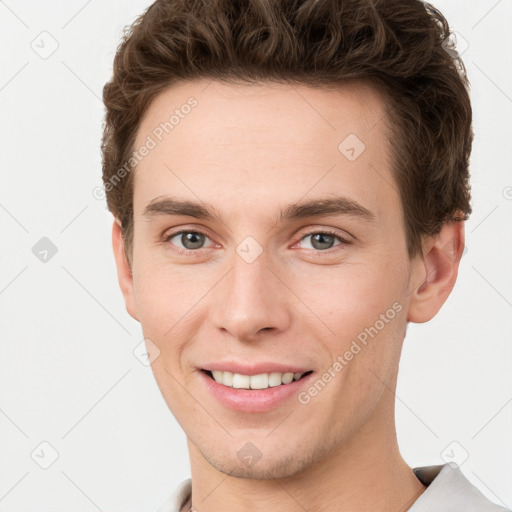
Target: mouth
x=254, y=382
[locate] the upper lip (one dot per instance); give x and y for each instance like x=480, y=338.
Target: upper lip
x=254, y=369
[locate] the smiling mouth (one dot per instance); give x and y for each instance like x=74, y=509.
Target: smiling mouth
x=250, y=382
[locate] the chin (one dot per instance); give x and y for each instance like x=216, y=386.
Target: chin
x=262, y=468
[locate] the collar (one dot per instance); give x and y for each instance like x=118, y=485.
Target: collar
x=448, y=490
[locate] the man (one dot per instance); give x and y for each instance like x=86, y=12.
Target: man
x=289, y=181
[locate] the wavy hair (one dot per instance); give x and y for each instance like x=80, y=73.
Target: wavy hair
x=402, y=47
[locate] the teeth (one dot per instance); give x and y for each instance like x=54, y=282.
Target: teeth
x=287, y=378
x=260, y=381
x=241, y=381
x=275, y=379
x=227, y=378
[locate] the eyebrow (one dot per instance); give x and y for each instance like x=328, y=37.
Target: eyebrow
x=339, y=205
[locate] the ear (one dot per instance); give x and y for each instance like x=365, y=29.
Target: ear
x=124, y=272
x=435, y=274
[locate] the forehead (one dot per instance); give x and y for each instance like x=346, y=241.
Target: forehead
x=263, y=142
x=261, y=109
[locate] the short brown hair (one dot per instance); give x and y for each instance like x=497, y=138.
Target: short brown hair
x=401, y=47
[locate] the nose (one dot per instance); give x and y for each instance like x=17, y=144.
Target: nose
x=251, y=300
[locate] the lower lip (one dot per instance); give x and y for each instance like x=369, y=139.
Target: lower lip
x=253, y=400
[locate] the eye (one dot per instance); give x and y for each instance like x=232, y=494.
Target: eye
x=324, y=240
x=190, y=240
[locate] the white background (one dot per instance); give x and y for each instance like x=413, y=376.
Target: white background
x=68, y=375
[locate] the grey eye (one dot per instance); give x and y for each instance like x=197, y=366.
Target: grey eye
x=321, y=241
x=190, y=239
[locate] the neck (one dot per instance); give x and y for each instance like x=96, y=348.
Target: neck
x=365, y=472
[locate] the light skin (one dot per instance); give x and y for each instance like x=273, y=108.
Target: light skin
x=249, y=151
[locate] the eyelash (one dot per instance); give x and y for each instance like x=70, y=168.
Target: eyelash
x=190, y=252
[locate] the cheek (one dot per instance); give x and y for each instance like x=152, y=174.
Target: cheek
x=164, y=295
x=362, y=307
x=349, y=298
x=153, y=298
x=171, y=306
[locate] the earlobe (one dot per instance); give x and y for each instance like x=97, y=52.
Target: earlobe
x=436, y=273
x=124, y=272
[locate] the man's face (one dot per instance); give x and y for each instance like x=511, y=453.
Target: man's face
x=263, y=292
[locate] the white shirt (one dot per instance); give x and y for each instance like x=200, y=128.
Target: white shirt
x=448, y=490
